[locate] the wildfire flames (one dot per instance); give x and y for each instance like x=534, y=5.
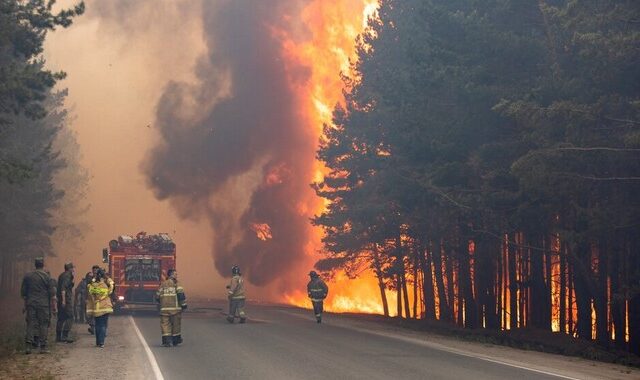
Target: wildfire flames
x=262, y=230
x=238, y=145
x=334, y=27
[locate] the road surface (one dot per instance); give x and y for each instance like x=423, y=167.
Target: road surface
x=286, y=343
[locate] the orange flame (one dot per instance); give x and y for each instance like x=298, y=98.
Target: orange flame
x=262, y=230
x=349, y=295
x=334, y=27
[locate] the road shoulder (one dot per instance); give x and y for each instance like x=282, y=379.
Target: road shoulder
x=123, y=356
x=571, y=367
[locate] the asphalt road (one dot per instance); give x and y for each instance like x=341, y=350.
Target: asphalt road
x=286, y=343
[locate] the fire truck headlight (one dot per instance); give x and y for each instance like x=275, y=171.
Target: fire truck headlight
x=120, y=298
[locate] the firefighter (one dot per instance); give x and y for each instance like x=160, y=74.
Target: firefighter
x=65, y=304
x=235, y=291
x=39, y=297
x=317, y=290
x=172, y=302
x=99, y=305
x=80, y=299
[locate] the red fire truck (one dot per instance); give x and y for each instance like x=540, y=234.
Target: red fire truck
x=138, y=265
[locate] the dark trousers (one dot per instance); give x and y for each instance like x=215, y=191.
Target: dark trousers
x=79, y=312
x=38, y=319
x=236, y=309
x=317, y=308
x=101, y=328
x=65, y=321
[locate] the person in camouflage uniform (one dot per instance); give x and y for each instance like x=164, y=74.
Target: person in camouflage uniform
x=80, y=299
x=65, y=304
x=39, y=295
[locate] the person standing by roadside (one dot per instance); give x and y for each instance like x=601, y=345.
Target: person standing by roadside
x=80, y=299
x=317, y=291
x=172, y=301
x=99, y=305
x=65, y=304
x=235, y=291
x=39, y=297
x=90, y=319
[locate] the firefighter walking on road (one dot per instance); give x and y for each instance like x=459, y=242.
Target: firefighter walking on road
x=317, y=291
x=39, y=295
x=65, y=304
x=235, y=291
x=99, y=305
x=172, y=301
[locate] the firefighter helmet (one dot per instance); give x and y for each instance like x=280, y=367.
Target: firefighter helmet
x=313, y=274
x=235, y=270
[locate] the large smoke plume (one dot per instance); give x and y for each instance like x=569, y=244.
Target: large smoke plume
x=235, y=147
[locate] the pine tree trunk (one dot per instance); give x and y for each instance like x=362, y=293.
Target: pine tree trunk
x=634, y=299
x=436, y=254
x=563, y=289
x=470, y=309
x=415, y=286
x=405, y=293
x=547, y=316
x=580, y=262
x=379, y=275
x=601, y=297
x=399, y=294
x=513, y=288
x=617, y=298
x=427, y=284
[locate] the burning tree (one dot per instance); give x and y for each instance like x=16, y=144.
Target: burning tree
x=490, y=150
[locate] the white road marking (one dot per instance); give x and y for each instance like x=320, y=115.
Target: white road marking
x=441, y=347
x=150, y=356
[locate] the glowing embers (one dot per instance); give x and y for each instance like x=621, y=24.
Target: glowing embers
x=262, y=230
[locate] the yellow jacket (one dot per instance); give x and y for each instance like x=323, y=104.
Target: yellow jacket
x=171, y=297
x=235, y=290
x=98, y=299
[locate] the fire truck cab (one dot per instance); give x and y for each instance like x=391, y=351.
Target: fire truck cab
x=138, y=265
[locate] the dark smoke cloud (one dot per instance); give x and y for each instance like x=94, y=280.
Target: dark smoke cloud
x=238, y=136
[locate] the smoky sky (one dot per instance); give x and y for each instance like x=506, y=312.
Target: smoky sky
x=242, y=116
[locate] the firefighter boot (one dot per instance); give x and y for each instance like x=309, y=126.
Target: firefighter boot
x=243, y=319
x=177, y=340
x=230, y=319
x=166, y=341
x=59, y=337
x=319, y=318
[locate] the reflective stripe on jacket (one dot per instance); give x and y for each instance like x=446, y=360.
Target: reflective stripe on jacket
x=98, y=299
x=317, y=289
x=171, y=297
x=236, y=288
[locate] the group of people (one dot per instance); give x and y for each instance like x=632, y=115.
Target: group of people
x=45, y=298
x=317, y=291
x=93, y=302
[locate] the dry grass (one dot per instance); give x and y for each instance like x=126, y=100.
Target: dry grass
x=14, y=364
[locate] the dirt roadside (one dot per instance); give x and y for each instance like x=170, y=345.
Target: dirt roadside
x=123, y=356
